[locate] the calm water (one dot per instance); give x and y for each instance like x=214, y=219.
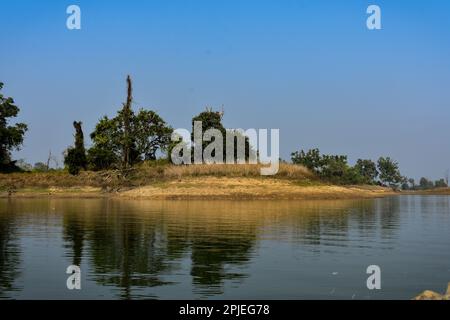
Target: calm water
x=224, y=249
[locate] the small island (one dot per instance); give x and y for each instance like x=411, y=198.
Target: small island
x=131, y=157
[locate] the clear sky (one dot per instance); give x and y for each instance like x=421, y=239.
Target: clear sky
x=310, y=68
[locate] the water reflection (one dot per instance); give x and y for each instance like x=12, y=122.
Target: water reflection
x=127, y=252
x=9, y=249
x=145, y=248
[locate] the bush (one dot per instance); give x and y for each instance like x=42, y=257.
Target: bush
x=75, y=160
x=101, y=158
x=333, y=168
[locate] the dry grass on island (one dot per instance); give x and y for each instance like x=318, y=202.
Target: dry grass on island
x=164, y=181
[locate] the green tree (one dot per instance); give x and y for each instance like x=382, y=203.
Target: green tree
x=441, y=183
x=336, y=169
x=127, y=138
x=412, y=183
x=75, y=158
x=424, y=183
x=209, y=120
x=151, y=133
x=105, y=153
x=11, y=136
x=333, y=168
x=311, y=159
x=213, y=120
x=389, y=171
x=125, y=117
x=367, y=169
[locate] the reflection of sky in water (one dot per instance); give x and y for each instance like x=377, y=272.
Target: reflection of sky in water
x=201, y=249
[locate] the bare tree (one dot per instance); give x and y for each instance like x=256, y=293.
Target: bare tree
x=50, y=159
x=126, y=114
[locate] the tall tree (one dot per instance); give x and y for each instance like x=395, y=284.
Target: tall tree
x=11, y=136
x=127, y=114
x=367, y=169
x=389, y=171
x=412, y=182
x=310, y=159
x=213, y=120
x=127, y=138
x=75, y=158
x=106, y=151
x=150, y=133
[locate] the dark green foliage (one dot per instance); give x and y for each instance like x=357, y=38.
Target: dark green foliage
x=213, y=120
x=128, y=138
x=79, y=141
x=367, y=169
x=75, y=158
x=101, y=158
x=336, y=169
x=424, y=183
x=210, y=120
x=333, y=168
x=440, y=183
x=148, y=134
x=105, y=153
x=11, y=136
x=151, y=133
x=389, y=171
x=310, y=159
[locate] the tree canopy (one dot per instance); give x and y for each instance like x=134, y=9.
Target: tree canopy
x=11, y=136
x=389, y=171
x=128, y=137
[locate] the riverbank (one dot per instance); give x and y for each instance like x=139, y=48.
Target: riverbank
x=212, y=189
x=249, y=188
x=183, y=182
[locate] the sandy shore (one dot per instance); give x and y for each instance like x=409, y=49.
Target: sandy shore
x=214, y=188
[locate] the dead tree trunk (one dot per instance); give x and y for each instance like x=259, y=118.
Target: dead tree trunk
x=126, y=114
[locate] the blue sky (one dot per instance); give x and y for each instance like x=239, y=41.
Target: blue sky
x=310, y=68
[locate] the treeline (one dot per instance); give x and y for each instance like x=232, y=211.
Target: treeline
x=384, y=172
x=425, y=184
x=11, y=136
x=335, y=168
x=131, y=137
x=121, y=141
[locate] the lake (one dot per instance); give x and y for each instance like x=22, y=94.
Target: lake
x=142, y=249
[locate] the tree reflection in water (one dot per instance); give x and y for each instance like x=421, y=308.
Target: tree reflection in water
x=9, y=249
x=136, y=247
